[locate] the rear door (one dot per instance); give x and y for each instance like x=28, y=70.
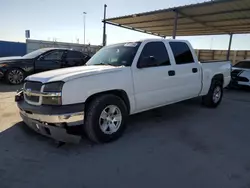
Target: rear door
x=49, y=61
x=188, y=70
x=73, y=58
x=154, y=76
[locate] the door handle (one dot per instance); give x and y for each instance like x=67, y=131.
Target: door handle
x=171, y=73
x=194, y=70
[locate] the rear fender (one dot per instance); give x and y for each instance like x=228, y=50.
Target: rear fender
x=207, y=82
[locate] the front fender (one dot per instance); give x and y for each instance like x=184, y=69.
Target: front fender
x=79, y=90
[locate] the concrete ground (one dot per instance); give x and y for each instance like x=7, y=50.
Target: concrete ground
x=181, y=145
x=8, y=111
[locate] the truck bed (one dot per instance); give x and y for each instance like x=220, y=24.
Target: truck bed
x=211, y=68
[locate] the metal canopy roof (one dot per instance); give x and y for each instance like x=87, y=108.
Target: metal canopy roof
x=208, y=18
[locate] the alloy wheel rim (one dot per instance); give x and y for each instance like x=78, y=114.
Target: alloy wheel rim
x=15, y=76
x=217, y=94
x=110, y=119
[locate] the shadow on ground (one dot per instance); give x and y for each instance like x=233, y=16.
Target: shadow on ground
x=135, y=123
x=4, y=87
x=181, y=145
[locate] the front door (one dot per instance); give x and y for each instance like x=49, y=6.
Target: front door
x=153, y=77
x=50, y=61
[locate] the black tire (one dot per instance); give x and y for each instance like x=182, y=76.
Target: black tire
x=208, y=100
x=93, y=112
x=15, y=71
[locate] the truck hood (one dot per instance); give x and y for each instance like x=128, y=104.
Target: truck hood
x=67, y=74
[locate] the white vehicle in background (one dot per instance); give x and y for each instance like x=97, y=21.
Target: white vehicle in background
x=241, y=74
x=119, y=80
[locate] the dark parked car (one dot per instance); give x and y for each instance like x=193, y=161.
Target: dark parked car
x=241, y=74
x=15, y=69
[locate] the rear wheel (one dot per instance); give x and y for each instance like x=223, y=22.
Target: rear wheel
x=214, y=96
x=14, y=76
x=105, y=118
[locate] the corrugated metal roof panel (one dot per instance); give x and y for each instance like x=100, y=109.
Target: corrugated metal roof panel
x=208, y=18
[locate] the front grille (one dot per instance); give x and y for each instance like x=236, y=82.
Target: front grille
x=32, y=86
x=32, y=98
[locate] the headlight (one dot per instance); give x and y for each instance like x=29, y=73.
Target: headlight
x=53, y=87
x=54, y=91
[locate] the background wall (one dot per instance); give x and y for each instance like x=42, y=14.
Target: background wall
x=235, y=56
x=37, y=44
x=8, y=48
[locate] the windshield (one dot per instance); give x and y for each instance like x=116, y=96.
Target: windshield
x=243, y=64
x=115, y=55
x=35, y=53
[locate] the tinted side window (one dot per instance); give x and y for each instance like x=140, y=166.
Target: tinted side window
x=55, y=55
x=74, y=55
x=182, y=53
x=157, y=51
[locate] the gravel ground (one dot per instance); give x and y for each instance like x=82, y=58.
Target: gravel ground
x=181, y=145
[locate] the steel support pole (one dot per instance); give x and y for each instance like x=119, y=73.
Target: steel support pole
x=84, y=25
x=104, y=27
x=175, y=24
x=229, y=46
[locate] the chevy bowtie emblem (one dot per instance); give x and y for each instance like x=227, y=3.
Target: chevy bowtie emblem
x=28, y=92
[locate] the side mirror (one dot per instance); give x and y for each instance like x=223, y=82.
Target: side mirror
x=147, y=62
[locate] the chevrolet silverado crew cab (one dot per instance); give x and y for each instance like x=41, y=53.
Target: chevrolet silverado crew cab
x=118, y=81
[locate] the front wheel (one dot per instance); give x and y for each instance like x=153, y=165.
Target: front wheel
x=15, y=76
x=214, y=96
x=105, y=118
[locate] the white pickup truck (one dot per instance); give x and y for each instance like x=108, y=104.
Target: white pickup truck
x=118, y=81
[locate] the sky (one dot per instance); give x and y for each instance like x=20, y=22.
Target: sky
x=63, y=20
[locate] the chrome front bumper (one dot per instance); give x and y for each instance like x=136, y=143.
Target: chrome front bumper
x=56, y=122
x=72, y=119
x=57, y=133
